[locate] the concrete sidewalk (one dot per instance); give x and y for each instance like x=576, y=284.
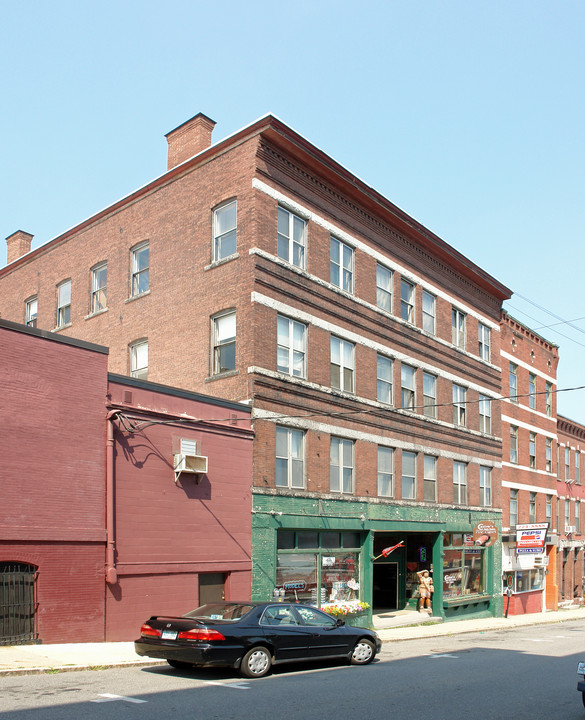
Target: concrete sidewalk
x=35, y=659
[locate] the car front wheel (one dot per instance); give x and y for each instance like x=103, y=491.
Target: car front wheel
x=256, y=662
x=363, y=653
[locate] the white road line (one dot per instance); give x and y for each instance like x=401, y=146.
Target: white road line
x=235, y=686
x=445, y=655
x=107, y=697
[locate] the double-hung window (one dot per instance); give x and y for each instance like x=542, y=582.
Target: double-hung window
x=485, y=486
x=64, y=303
x=459, y=483
x=532, y=450
x=341, y=465
x=408, y=475
x=513, y=507
x=532, y=391
x=290, y=458
x=140, y=281
x=385, y=379
x=459, y=405
x=549, y=398
x=577, y=467
x=139, y=359
x=225, y=220
x=458, y=328
x=31, y=311
x=99, y=281
x=341, y=265
x=485, y=414
x=385, y=471
x=513, y=375
x=549, y=454
x=513, y=444
x=223, y=330
x=342, y=364
x=484, y=341
x=407, y=301
x=429, y=395
x=408, y=387
x=429, y=312
x=291, y=347
x=532, y=507
x=291, y=241
x=384, y=288
x=578, y=517
x=430, y=478
x=548, y=510
x=567, y=463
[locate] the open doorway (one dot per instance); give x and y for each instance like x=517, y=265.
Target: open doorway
x=385, y=586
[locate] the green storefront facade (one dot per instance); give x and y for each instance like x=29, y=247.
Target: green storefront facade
x=328, y=551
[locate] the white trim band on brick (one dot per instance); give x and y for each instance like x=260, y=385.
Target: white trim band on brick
x=532, y=488
x=527, y=426
x=526, y=366
x=307, y=214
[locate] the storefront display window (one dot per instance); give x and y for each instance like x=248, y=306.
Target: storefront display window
x=329, y=575
x=524, y=580
x=463, y=568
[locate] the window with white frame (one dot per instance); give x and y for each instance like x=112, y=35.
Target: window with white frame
x=99, y=282
x=577, y=466
x=532, y=450
x=292, y=234
x=342, y=364
x=384, y=288
x=485, y=486
x=429, y=312
x=459, y=483
x=513, y=507
x=341, y=465
x=408, y=475
x=408, y=387
x=532, y=391
x=140, y=279
x=485, y=414
x=567, y=513
x=139, y=359
x=548, y=398
x=341, y=265
x=31, y=308
x=567, y=463
x=459, y=405
x=549, y=454
x=484, y=341
x=385, y=379
x=407, y=291
x=513, y=376
x=532, y=507
x=385, y=471
x=64, y=303
x=290, y=457
x=291, y=347
x=223, y=330
x=429, y=395
x=225, y=222
x=458, y=328
x=430, y=478
x=578, y=517
x=548, y=510
x=513, y=444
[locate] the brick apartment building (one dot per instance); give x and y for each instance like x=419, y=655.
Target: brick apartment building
x=100, y=526
x=259, y=270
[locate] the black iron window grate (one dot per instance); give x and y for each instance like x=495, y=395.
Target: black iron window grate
x=17, y=603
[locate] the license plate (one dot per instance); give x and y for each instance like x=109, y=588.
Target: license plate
x=581, y=668
x=169, y=635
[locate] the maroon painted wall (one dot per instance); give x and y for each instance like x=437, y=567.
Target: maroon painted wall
x=168, y=533
x=52, y=460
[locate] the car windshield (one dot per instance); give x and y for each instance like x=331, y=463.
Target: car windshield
x=220, y=611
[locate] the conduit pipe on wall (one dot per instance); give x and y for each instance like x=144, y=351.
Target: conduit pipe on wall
x=111, y=572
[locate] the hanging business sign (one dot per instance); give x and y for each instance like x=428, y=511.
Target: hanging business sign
x=485, y=533
x=530, y=539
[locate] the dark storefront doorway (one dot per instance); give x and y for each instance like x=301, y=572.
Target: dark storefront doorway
x=211, y=587
x=385, y=586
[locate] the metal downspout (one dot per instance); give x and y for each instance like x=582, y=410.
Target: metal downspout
x=111, y=572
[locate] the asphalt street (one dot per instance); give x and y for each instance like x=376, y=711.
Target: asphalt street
x=526, y=672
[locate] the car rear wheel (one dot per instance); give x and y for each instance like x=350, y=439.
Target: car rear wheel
x=180, y=665
x=583, y=698
x=363, y=653
x=256, y=662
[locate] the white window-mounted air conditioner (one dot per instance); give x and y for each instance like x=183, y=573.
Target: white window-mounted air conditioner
x=192, y=464
x=570, y=529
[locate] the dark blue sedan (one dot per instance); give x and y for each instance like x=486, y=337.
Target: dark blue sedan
x=252, y=637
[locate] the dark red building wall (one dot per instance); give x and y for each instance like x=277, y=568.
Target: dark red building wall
x=167, y=533
x=51, y=476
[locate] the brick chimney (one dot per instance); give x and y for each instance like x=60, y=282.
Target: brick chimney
x=189, y=139
x=17, y=245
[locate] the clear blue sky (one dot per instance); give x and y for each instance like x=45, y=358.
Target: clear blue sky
x=468, y=114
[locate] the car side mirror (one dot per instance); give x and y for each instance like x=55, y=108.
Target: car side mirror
x=340, y=622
